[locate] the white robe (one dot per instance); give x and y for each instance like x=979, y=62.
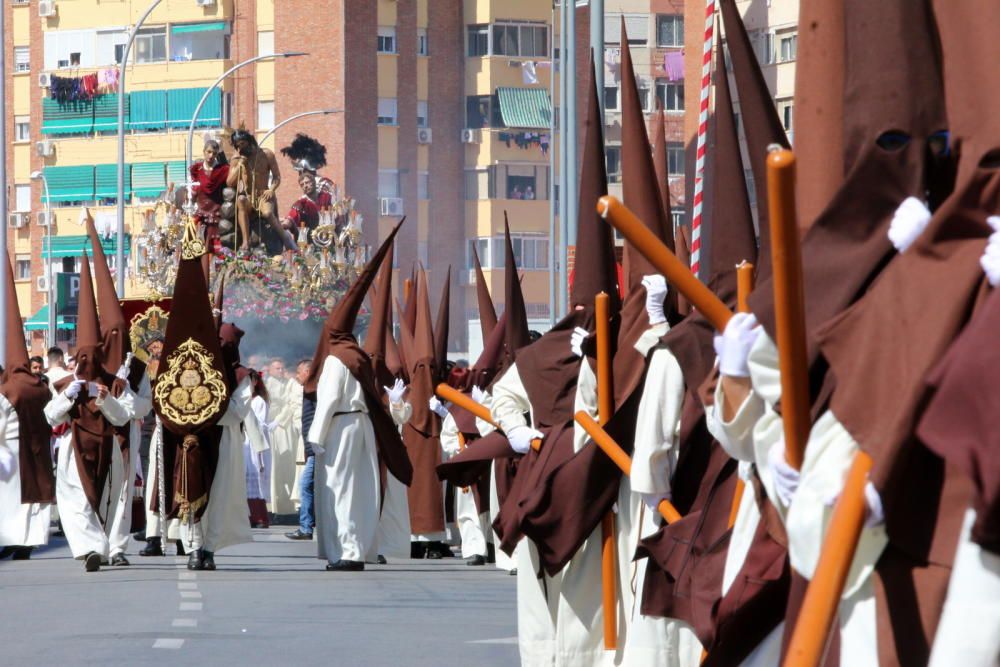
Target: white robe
x=20, y=524
x=84, y=529
x=471, y=524
x=257, y=451
x=347, y=476
x=122, y=487
x=503, y=561
x=226, y=521
x=153, y=528
x=392, y=537
x=284, y=441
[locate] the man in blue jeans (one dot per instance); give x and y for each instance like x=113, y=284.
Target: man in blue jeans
x=307, y=516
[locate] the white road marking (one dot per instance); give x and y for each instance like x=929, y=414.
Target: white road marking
x=190, y=595
x=185, y=623
x=168, y=643
x=190, y=606
x=184, y=574
x=187, y=585
x=498, y=640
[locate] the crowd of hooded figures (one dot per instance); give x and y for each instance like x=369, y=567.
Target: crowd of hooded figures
x=649, y=469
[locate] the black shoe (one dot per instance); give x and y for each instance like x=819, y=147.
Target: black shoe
x=491, y=554
x=299, y=535
x=180, y=548
x=433, y=554
x=22, y=553
x=476, y=560
x=119, y=560
x=444, y=550
x=7, y=551
x=92, y=563
x=59, y=529
x=418, y=549
x=140, y=535
x=345, y=566
x=380, y=560
x=154, y=547
x=513, y=572
x=209, y=559
x=195, y=560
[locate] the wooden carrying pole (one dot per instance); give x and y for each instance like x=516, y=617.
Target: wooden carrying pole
x=620, y=459
x=461, y=400
x=819, y=606
x=674, y=270
x=605, y=408
x=789, y=304
x=407, y=290
x=744, y=285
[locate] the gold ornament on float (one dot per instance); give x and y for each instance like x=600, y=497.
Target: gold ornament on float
x=191, y=390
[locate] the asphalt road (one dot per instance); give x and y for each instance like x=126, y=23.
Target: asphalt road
x=269, y=603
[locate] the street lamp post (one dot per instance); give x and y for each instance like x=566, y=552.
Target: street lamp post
x=120, y=192
x=50, y=282
x=317, y=112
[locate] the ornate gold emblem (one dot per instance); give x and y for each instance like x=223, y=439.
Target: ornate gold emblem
x=145, y=327
x=190, y=391
x=192, y=247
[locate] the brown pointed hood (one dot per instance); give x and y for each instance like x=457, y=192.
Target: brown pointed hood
x=487, y=311
x=761, y=123
x=114, y=326
x=339, y=325
x=441, y=326
x=423, y=330
x=378, y=327
x=89, y=353
x=15, y=354
x=420, y=354
x=517, y=335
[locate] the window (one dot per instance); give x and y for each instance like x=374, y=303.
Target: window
x=70, y=48
x=388, y=183
x=151, y=45
x=613, y=160
x=22, y=59
x=478, y=183
x=643, y=87
x=265, y=115
x=785, y=110
x=527, y=41
x=675, y=159
x=522, y=181
x=386, y=39
x=199, y=41
x=482, y=111
x=22, y=267
x=677, y=217
x=671, y=95
x=423, y=185
x=482, y=248
x=478, y=37
x=766, y=42
x=421, y=113
x=636, y=29
x=670, y=30
x=610, y=97
x=788, y=45
x=22, y=128
x=265, y=43
x=387, y=111
x=110, y=46
x=422, y=49
x=22, y=197
x=531, y=251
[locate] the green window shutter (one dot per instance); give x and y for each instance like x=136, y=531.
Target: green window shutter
x=148, y=179
x=106, y=181
x=181, y=103
x=177, y=173
x=71, y=118
x=106, y=113
x=148, y=110
x=73, y=246
x=525, y=108
x=198, y=27
x=70, y=183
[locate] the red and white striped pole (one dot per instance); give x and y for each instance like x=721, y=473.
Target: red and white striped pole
x=699, y=169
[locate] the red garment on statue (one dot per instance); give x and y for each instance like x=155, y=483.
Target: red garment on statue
x=306, y=211
x=208, y=194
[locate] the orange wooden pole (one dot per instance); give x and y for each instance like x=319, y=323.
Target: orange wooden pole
x=605, y=408
x=407, y=290
x=819, y=607
x=744, y=285
x=789, y=304
x=674, y=270
x=620, y=459
x=461, y=400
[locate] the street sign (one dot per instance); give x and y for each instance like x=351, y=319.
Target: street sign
x=67, y=293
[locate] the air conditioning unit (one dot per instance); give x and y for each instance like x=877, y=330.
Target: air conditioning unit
x=17, y=220
x=424, y=135
x=44, y=80
x=470, y=278
x=390, y=206
x=46, y=8
x=45, y=219
x=45, y=148
x=42, y=283
x=205, y=3
x=472, y=137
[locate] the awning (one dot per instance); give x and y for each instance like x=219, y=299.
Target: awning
x=106, y=181
x=71, y=118
x=106, y=113
x=148, y=179
x=70, y=183
x=198, y=27
x=73, y=246
x=525, y=108
x=181, y=103
x=40, y=321
x=148, y=110
x=177, y=173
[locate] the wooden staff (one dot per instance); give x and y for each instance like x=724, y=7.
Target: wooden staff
x=620, y=459
x=407, y=290
x=675, y=271
x=605, y=408
x=744, y=285
x=819, y=607
x=789, y=304
x=478, y=409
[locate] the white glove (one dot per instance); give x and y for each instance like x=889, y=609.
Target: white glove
x=656, y=294
x=733, y=345
x=908, y=223
x=652, y=501
x=990, y=261
x=786, y=478
x=437, y=407
x=6, y=464
x=520, y=438
x=74, y=388
x=576, y=340
x=395, y=392
x=874, y=514
x=478, y=395
x=317, y=449
x=122, y=373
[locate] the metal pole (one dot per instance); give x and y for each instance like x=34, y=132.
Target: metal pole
x=3, y=184
x=50, y=283
x=318, y=112
x=552, y=173
x=597, y=45
x=120, y=192
x=563, y=165
x=572, y=194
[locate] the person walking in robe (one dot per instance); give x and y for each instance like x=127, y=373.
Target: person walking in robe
x=257, y=454
x=282, y=410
